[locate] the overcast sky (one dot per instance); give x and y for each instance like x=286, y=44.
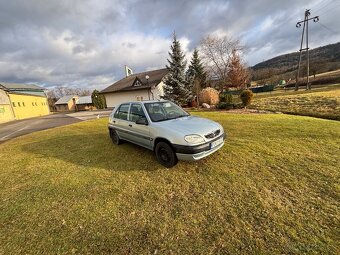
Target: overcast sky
x=86, y=43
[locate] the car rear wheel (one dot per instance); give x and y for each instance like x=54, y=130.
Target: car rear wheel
x=165, y=155
x=114, y=137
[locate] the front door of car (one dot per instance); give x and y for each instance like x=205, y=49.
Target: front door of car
x=121, y=121
x=139, y=132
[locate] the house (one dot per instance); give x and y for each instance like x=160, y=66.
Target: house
x=85, y=103
x=21, y=101
x=141, y=86
x=67, y=103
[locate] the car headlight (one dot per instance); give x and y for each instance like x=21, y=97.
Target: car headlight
x=194, y=139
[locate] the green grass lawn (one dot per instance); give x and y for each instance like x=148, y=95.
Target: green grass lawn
x=272, y=189
x=322, y=102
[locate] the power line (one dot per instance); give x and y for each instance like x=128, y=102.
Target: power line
x=330, y=10
x=331, y=30
x=320, y=5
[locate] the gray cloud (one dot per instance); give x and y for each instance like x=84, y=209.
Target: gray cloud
x=87, y=42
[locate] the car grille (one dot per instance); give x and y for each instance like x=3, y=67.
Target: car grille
x=213, y=134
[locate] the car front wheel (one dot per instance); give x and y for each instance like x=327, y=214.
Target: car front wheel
x=165, y=155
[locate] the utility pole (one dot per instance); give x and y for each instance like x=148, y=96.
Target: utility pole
x=305, y=28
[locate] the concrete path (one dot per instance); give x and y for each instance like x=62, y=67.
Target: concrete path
x=17, y=128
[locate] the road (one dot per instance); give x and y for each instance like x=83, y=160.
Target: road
x=17, y=128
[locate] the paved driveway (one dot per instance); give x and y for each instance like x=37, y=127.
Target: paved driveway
x=17, y=128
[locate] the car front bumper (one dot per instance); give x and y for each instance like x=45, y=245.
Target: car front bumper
x=193, y=153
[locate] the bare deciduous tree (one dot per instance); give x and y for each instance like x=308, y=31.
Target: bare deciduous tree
x=60, y=91
x=216, y=54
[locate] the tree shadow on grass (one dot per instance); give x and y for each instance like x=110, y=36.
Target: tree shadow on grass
x=94, y=150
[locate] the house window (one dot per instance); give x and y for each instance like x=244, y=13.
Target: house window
x=35, y=104
x=19, y=104
x=13, y=104
x=23, y=103
x=139, y=98
x=32, y=104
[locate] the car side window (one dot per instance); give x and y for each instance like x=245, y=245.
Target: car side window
x=136, y=112
x=122, y=112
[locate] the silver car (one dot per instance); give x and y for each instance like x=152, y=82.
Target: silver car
x=168, y=130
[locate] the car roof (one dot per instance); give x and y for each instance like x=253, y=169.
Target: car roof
x=144, y=101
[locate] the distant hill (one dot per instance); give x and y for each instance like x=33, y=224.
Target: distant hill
x=322, y=59
x=328, y=53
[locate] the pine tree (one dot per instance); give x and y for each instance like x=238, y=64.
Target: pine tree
x=238, y=74
x=196, y=76
x=175, y=84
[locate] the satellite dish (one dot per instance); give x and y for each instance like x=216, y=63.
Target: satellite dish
x=147, y=77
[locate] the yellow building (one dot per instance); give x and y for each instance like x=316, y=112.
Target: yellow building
x=21, y=101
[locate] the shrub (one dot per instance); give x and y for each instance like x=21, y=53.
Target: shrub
x=238, y=106
x=226, y=98
x=209, y=96
x=224, y=105
x=246, y=97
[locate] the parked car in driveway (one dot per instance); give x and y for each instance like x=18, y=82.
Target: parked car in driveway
x=168, y=130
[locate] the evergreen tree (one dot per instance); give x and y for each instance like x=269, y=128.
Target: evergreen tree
x=175, y=84
x=196, y=76
x=98, y=100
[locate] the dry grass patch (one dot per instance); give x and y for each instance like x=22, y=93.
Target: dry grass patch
x=324, y=104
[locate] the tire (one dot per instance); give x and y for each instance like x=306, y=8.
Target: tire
x=114, y=137
x=165, y=155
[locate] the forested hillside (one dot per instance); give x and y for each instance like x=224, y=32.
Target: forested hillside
x=322, y=59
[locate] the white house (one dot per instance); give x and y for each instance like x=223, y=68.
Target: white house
x=136, y=87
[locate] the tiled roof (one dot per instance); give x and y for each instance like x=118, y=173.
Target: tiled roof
x=126, y=84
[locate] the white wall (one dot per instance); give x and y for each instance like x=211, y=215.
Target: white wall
x=158, y=91
x=112, y=99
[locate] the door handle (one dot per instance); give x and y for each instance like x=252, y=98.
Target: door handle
x=130, y=125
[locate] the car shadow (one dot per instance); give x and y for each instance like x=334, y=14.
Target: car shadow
x=95, y=150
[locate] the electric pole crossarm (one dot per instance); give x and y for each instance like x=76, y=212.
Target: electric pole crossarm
x=315, y=19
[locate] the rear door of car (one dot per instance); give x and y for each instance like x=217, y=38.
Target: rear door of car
x=121, y=122
x=139, y=133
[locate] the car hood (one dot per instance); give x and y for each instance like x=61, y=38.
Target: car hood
x=192, y=125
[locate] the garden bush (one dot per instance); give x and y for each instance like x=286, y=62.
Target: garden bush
x=226, y=98
x=209, y=96
x=246, y=97
x=225, y=106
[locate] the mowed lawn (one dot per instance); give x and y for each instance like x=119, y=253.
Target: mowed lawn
x=272, y=189
x=320, y=102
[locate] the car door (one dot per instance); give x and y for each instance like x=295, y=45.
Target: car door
x=121, y=122
x=140, y=133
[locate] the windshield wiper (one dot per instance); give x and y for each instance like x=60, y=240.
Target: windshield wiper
x=177, y=117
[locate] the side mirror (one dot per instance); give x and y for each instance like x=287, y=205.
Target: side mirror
x=142, y=121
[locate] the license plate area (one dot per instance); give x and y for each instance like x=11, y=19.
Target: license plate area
x=216, y=143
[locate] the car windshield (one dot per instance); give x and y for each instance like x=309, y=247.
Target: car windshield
x=160, y=111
